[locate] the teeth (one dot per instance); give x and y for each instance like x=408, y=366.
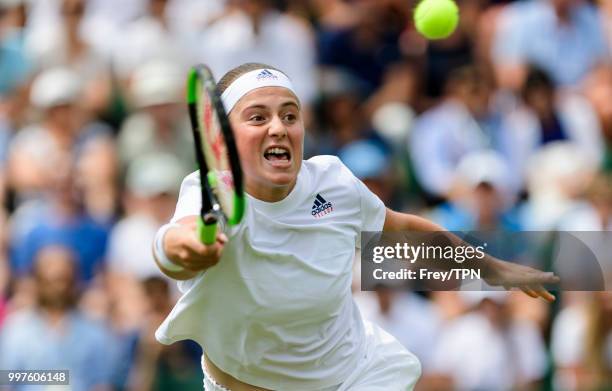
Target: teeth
x=277, y=151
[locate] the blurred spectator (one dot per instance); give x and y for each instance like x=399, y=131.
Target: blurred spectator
x=5, y=134
x=485, y=349
x=64, y=45
x=582, y=344
x=563, y=37
x=15, y=63
x=391, y=107
x=159, y=367
x=62, y=130
x=557, y=175
x=367, y=44
x=159, y=123
x=341, y=117
x=60, y=221
x=54, y=334
x=253, y=31
x=463, y=122
x=149, y=38
x=483, y=201
x=41, y=163
x=372, y=164
x=546, y=115
x=606, y=16
x=458, y=50
x=189, y=17
x=589, y=221
x=5, y=275
x=105, y=21
x=96, y=172
x=594, y=213
x=598, y=89
x=152, y=184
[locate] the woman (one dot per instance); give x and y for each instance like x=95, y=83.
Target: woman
x=272, y=306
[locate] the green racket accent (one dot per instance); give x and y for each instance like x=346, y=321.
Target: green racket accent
x=207, y=232
x=192, y=86
x=212, y=179
x=239, y=204
x=216, y=154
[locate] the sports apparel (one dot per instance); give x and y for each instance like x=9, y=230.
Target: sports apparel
x=209, y=383
x=252, y=80
x=158, y=249
x=277, y=310
x=385, y=365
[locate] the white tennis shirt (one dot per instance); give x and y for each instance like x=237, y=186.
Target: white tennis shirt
x=277, y=310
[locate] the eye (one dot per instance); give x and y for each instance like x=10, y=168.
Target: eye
x=256, y=118
x=290, y=117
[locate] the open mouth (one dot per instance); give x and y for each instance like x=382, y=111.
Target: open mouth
x=277, y=154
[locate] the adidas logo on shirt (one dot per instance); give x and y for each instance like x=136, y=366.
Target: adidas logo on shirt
x=321, y=207
x=266, y=74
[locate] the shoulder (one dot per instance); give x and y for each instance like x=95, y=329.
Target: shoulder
x=328, y=168
x=19, y=324
x=323, y=162
x=30, y=135
x=192, y=179
x=189, y=183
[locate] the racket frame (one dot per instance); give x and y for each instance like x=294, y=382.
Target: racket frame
x=211, y=210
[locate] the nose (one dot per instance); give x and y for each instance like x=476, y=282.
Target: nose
x=277, y=128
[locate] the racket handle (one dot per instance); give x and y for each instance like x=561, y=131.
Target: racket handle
x=207, y=229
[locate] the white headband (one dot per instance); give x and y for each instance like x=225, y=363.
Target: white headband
x=251, y=80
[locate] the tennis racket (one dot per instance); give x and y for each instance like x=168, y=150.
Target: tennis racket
x=216, y=155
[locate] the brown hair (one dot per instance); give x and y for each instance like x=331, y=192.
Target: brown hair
x=240, y=70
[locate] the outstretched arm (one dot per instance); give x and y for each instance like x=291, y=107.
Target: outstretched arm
x=187, y=255
x=496, y=272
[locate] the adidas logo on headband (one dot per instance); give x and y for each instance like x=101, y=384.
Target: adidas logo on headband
x=266, y=75
x=249, y=81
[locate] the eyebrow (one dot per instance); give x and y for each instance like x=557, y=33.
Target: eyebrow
x=285, y=104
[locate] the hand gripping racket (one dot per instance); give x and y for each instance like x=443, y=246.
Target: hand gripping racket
x=216, y=155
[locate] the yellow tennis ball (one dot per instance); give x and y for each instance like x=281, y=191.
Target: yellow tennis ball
x=436, y=19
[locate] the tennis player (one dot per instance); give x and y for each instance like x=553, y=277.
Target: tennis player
x=270, y=302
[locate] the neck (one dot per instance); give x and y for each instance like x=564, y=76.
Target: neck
x=55, y=316
x=268, y=193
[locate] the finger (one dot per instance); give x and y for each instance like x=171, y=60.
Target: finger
x=198, y=261
x=205, y=251
x=219, y=252
x=222, y=238
x=196, y=249
x=549, y=278
x=536, y=277
x=545, y=278
x=529, y=292
x=188, y=221
x=543, y=293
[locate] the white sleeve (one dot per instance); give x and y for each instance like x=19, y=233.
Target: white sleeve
x=190, y=197
x=188, y=204
x=373, y=210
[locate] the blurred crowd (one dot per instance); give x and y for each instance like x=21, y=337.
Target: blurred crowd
x=505, y=125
